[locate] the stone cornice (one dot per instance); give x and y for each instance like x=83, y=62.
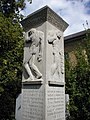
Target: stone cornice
x=42, y=15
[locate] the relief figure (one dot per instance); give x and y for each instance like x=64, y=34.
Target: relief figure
x=34, y=37
x=54, y=40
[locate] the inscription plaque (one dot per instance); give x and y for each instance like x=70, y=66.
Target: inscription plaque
x=32, y=108
x=55, y=103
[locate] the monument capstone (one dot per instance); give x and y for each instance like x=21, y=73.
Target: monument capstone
x=43, y=83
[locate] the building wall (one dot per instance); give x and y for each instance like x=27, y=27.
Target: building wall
x=71, y=45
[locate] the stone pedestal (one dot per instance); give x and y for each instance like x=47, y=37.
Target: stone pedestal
x=43, y=83
x=18, y=108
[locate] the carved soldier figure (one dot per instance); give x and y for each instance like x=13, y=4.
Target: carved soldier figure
x=54, y=39
x=33, y=37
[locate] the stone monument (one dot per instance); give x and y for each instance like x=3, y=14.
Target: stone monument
x=43, y=83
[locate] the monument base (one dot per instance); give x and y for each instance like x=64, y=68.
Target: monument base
x=32, y=101
x=43, y=101
x=55, y=98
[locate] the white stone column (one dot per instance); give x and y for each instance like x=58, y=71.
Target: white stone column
x=43, y=82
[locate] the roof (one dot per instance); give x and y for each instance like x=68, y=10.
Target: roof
x=75, y=36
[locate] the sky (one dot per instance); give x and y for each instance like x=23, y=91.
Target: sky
x=74, y=12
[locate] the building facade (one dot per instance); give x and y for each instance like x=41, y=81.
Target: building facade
x=72, y=43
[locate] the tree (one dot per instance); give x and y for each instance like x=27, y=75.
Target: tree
x=9, y=7
x=78, y=84
x=11, y=55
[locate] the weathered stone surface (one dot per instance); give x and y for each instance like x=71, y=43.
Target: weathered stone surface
x=18, y=108
x=33, y=101
x=55, y=103
x=42, y=15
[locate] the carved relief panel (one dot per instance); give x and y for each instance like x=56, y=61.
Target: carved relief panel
x=57, y=66
x=32, y=55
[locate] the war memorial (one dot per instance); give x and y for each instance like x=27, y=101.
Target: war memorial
x=43, y=80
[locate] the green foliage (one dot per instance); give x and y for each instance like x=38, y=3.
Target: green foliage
x=11, y=52
x=9, y=7
x=78, y=84
x=11, y=55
